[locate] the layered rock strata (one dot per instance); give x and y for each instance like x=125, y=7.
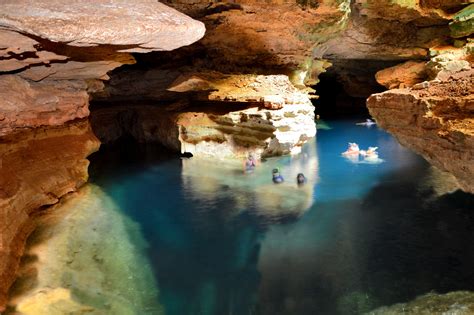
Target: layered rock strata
x=435, y=119
x=52, y=55
x=381, y=34
x=224, y=116
x=243, y=35
x=430, y=107
x=38, y=167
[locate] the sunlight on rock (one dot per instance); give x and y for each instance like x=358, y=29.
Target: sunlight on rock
x=90, y=260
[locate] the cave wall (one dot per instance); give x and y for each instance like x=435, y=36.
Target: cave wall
x=256, y=59
x=52, y=55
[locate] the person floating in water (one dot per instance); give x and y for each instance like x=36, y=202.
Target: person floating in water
x=368, y=122
x=276, y=177
x=250, y=164
x=353, y=149
x=371, y=153
x=300, y=179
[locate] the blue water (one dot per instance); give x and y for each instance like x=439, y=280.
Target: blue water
x=356, y=237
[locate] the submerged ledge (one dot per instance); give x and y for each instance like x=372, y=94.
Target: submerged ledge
x=86, y=257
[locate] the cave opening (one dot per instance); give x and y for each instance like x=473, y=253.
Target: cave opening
x=334, y=101
x=345, y=86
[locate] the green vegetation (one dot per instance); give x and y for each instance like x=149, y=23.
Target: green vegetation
x=463, y=22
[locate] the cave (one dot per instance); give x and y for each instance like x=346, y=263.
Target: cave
x=243, y=157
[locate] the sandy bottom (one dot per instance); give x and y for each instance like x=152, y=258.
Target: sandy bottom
x=86, y=258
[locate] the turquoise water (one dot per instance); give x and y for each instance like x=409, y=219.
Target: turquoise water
x=355, y=237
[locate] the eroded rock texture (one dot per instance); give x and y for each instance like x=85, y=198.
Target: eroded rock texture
x=226, y=95
x=52, y=55
x=151, y=25
x=381, y=34
x=223, y=116
x=37, y=168
x=435, y=119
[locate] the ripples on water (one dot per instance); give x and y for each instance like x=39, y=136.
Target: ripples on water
x=357, y=236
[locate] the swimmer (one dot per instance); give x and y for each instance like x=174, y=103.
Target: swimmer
x=300, y=179
x=353, y=149
x=276, y=177
x=368, y=122
x=371, y=152
x=250, y=164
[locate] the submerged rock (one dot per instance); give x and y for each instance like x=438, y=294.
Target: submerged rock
x=453, y=303
x=52, y=55
x=90, y=259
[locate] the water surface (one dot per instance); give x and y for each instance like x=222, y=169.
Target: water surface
x=355, y=237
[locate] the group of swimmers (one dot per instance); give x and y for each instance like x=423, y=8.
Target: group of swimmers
x=369, y=156
x=250, y=165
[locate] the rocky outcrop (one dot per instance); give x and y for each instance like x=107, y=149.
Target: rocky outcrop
x=244, y=35
x=153, y=26
x=406, y=74
x=53, y=54
x=224, y=116
x=434, y=119
x=381, y=34
x=25, y=104
x=37, y=168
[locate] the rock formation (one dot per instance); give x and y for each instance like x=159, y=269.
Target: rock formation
x=94, y=281
x=434, y=119
x=224, y=116
x=245, y=87
x=430, y=108
x=52, y=54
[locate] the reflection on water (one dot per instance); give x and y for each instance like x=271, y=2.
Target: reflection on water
x=355, y=237
x=255, y=192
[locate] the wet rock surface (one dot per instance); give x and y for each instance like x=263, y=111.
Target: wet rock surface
x=73, y=268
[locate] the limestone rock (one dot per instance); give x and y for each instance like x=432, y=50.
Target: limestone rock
x=54, y=53
x=26, y=105
x=244, y=36
x=18, y=51
x=266, y=115
x=447, y=60
x=376, y=38
x=404, y=75
x=435, y=120
x=36, y=169
x=78, y=270
x=137, y=26
x=402, y=11
x=264, y=132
